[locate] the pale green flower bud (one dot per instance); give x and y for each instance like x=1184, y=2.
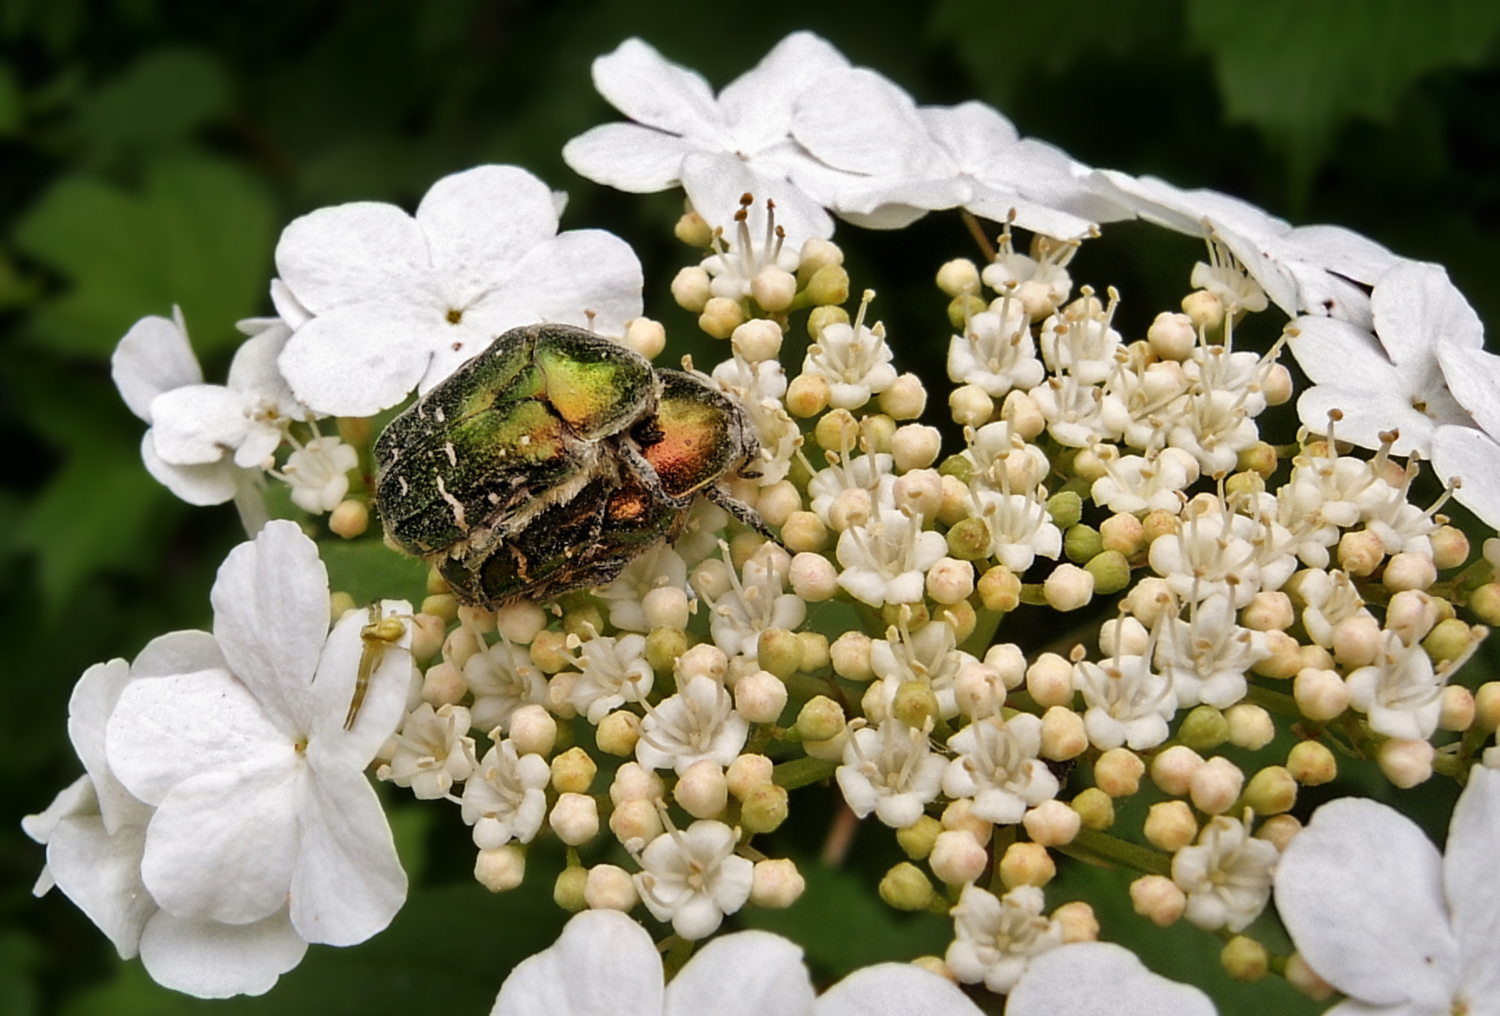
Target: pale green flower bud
x=617, y=733
x=1311, y=764
x=821, y=719
x=918, y=838
x=780, y=652
x=905, y=887
x=1271, y=791
x=828, y=286
x=1066, y=508
x=1204, y=729
x=1081, y=543
x=1111, y=571
x=573, y=771
x=1245, y=959
x=1095, y=809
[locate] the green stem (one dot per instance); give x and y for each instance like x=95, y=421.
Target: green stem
x=1093, y=847
x=802, y=772
x=1273, y=701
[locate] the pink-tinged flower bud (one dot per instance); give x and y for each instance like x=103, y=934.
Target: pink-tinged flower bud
x=618, y=733
x=1077, y=922
x=1150, y=598
x=1321, y=694
x=1409, y=570
x=1360, y=553
x=702, y=789
x=721, y=316
x=804, y=532
x=813, y=577
x=958, y=276
x=959, y=816
x=1158, y=899
x=760, y=697
x=776, y=884
x=1450, y=547
x=1279, y=830
x=1050, y=681
x=692, y=289
x=807, y=395
x=906, y=399
x=635, y=823
x=520, y=622
x=1063, y=734
x=1285, y=659
x=852, y=507
x=443, y=685
x=777, y=502
x=774, y=290
x=1026, y=864
x=1277, y=387
x=915, y=446
x=1458, y=709
x=349, y=519
x=573, y=771
x=533, y=730
x=1172, y=770
x=1123, y=534
x=905, y=887
x=1306, y=980
x=1216, y=785
x=610, y=887
x=1118, y=772
x=1411, y=614
x=567, y=891
x=950, y=580
x=920, y=491
x=1023, y=414
x=1172, y=336
x=1245, y=959
x=500, y=868
x=1356, y=640
x=1203, y=309
x=1250, y=726
x=918, y=838
x=634, y=782
x=978, y=690
x=1068, y=587
x=957, y=859
x=1271, y=791
x=645, y=336
x=702, y=660
x=1311, y=763
x=971, y=406
x=1406, y=763
x=850, y=654
x=1170, y=826
x=1268, y=611
x=1052, y=824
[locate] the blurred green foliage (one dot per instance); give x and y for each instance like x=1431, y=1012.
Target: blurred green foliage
x=151, y=149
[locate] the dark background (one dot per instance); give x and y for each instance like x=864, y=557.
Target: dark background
x=151, y=150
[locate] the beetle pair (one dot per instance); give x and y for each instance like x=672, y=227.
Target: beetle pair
x=552, y=460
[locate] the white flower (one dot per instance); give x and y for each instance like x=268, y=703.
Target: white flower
x=433, y=751
x=399, y=302
x=996, y=352
x=318, y=473
x=1134, y=484
x=997, y=938
x=1080, y=339
x=1390, y=380
x=926, y=655
x=693, y=877
x=853, y=359
x=886, y=560
x=755, y=603
x=260, y=791
x=717, y=148
x=1206, y=656
x=997, y=765
x=1464, y=453
x=1211, y=556
x=605, y=964
x=661, y=566
x=759, y=388
x=1226, y=875
x=1400, y=693
x=1128, y=702
x=505, y=797
x=891, y=771
x=697, y=723
x=1020, y=526
x=614, y=671
x=1100, y=979
x=503, y=679
x=873, y=472
x=1377, y=913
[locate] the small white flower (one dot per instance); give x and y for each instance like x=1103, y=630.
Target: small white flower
x=1080, y=340
x=1021, y=528
x=997, y=765
x=754, y=603
x=891, y=771
x=886, y=560
x=927, y=655
x=1074, y=411
x=661, y=566
x=1095, y=978
x=1207, y=656
x=1041, y=283
x=1380, y=915
x=318, y=473
x=1331, y=599
x=997, y=938
x=853, y=359
x=873, y=472
x=613, y=671
x=693, y=877
x=505, y=798
x=697, y=723
x=1400, y=693
x=1134, y=484
x=1128, y=702
x=398, y=302
x=759, y=387
x=503, y=679
x=1226, y=875
x=1211, y=556
x=433, y=751
x=996, y=351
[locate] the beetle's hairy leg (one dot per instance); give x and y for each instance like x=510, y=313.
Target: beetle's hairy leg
x=740, y=510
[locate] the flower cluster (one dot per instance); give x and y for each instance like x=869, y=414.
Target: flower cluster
x=1202, y=585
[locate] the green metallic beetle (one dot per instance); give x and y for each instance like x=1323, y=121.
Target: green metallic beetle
x=577, y=516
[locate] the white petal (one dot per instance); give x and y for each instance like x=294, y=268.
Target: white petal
x=153, y=357
x=222, y=845
x=480, y=222
x=93, y=699
x=974, y=133
x=1184, y=210
x=1368, y=410
x=271, y=618
x=213, y=960
x=351, y=253
x=628, y=157
x=894, y=989
x=101, y=874
x=753, y=973
x=715, y=182
x=1100, y=979
x=1335, y=249
x=1473, y=376
x=254, y=372
x=360, y=359
x=198, y=424
x=862, y=122
x=1274, y=277
x=348, y=882
x=384, y=702
x=1473, y=891
x=758, y=104
x=178, y=652
x=1470, y=455
x=604, y=964
x=1416, y=308
x=998, y=205
x=165, y=730
x=76, y=799
x=1360, y=891
x=214, y=483
x=642, y=84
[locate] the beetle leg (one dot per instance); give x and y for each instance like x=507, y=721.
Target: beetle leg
x=740, y=510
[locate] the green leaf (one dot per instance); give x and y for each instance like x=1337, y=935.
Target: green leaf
x=10, y=101
x=198, y=234
x=164, y=95
x=368, y=570
x=1300, y=70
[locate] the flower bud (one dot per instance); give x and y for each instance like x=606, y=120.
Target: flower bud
x=1052, y=824
x=1285, y=659
x=955, y=506
x=1487, y=706
x=764, y=808
x=828, y=286
x=702, y=660
x=813, y=578
x=779, y=651
x=1172, y=770
x=500, y=868
x=850, y=654
x=1245, y=959
x=1311, y=764
x=999, y=589
x=443, y=685
x=906, y=399
x=1077, y=922
x=971, y=406
x=878, y=431
x=914, y=446
x=776, y=884
x=521, y=621
x=969, y=540
x=549, y=651
x=1268, y=611
x=583, y=620
x=1277, y=387
x=1118, y=772
x=573, y=771
x=1023, y=414
x=1172, y=336
x=635, y=823
x=441, y=605
x=918, y=838
x=1110, y=571
x=1123, y=534
x=1279, y=830
x=721, y=316
x=702, y=789
x=959, y=817
x=460, y=646
x=836, y=431
x=817, y=253
x=610, y=887
x=1081, y=543
x=1203, y=729
x=1485, y=603
x=349, y=519
x=760, y=697
x=1170, y=826
x=1203, y=309
x=815, y=654
x=915, y=704
x=1271, y=791
x=533, y=730
x=774, y=289
x=1321, y=694
x=1068, y=587
x=958, y=276
x=804, y=532
x=693, y=230
x=1216, y=785
x=1026, y=864
x=1050, y=681
x=1360, y=553
x=634, y=782
x=1450, y=640
x=427, y=636
x=821, y=719
x=822, y=317
x=646, y=337
x=1458, y=709
x=692, y=288
x=1406, y=763
x=1450, y=547
x=1306, y=980
x=807, y=395
x=1409, y=570
x=905, y=887
x=1063, y=734
x=618, y=733
x=956, y=858
x=1158, y=899
x=1357, y=639
x=950, y=580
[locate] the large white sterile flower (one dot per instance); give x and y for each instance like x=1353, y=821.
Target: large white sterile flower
x=1379, y=914
x=260, y=791
x=1392, y=379
x=1100, y=979
x=605, y=964
x=397, y=302
x=716, y=148
x=1465, y=453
